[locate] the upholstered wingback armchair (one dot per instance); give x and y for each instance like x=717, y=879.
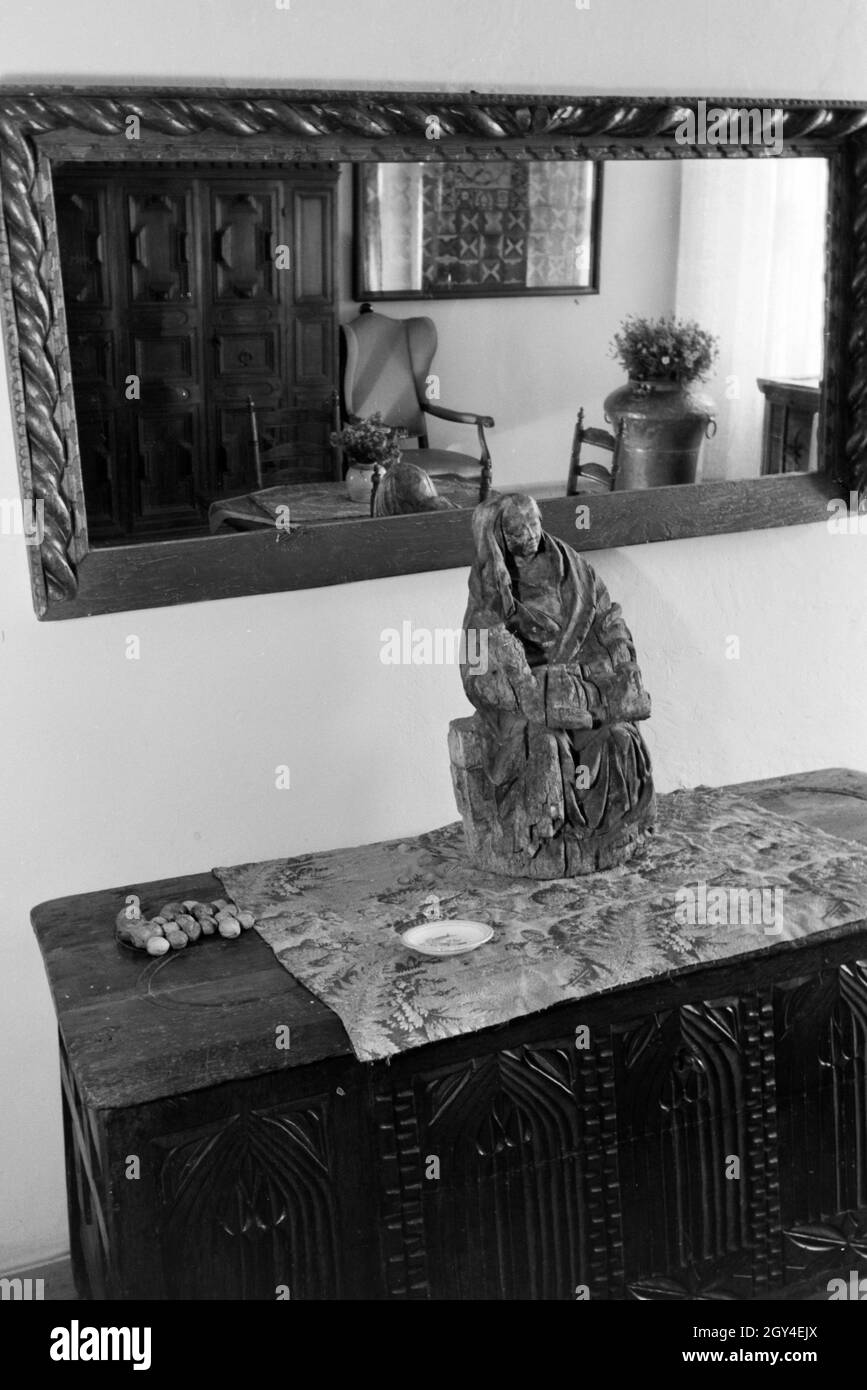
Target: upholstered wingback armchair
x=388, y=369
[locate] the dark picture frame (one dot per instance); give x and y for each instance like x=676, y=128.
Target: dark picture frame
x=481, y=229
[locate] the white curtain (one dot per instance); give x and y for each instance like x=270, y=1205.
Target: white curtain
x=751, y=270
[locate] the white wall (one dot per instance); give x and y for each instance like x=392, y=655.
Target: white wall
x=117, y=770
x=531, y=362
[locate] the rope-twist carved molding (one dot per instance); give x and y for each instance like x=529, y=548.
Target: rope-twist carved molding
x=836, y=286
x=532, y=126
x=312, y=115
x=40, y=379
x=856, y=441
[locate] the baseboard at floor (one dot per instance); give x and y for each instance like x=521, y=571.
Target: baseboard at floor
x=58, y=1285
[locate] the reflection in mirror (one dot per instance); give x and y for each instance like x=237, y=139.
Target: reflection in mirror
x=478, y=227
x=750, y=267
x=205, y=303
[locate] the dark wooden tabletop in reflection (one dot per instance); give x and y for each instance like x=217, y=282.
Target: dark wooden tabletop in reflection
x=313, y=504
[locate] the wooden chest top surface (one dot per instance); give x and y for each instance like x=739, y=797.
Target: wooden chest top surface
x=139, y=1029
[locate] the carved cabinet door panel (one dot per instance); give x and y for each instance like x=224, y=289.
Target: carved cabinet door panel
x=821, y=1113
x=697, y=1154
x=314, y=327
x=314, y=345
x=271, y=313
x=499, y=1177
x=631, y=1159
x=249, y=293
x=250, y=1191
x=132, y=287
x=164, y=354
x=95, y=306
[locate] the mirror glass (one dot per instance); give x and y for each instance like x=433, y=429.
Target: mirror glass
x=203, y=299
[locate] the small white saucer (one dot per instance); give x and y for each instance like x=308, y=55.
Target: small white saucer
x=446, y=938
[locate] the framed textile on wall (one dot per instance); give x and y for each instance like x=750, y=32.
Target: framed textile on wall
x=492, y=227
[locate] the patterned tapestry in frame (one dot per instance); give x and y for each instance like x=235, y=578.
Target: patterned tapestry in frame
x=486, y=227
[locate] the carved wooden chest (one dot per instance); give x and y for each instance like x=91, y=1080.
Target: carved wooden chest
x=203, y=1162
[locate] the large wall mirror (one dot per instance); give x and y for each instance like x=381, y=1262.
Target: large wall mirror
x=201, y=290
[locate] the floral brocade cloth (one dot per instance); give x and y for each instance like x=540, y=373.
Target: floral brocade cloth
x=721, y=877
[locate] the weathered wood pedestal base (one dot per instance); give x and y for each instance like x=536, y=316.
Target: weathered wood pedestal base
x=490, y=837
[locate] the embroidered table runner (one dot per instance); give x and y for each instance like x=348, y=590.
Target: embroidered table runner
x=692, y=896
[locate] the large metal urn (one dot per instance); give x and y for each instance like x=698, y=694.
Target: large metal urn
x=665, y=425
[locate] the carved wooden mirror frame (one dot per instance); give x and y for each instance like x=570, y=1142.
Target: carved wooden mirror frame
x=38, y=128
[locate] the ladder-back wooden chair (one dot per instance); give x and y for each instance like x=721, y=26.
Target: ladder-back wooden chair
x=595, y=474
x=291, y=444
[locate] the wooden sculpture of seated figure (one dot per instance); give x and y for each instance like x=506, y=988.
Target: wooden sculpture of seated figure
x=551, y=775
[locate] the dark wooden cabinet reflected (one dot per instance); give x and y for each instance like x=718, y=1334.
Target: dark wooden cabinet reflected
x=788, y=434
x=186, y=293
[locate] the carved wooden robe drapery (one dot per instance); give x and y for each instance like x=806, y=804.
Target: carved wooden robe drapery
x=551, y=775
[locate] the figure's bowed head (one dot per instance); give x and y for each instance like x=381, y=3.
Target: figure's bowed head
x=522, y=526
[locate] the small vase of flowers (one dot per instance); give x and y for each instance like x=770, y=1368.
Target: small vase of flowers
x=366, y=443
x=666, y=415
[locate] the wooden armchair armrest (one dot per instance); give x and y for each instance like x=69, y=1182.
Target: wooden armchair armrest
x=458, y=417
x=481, y=422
